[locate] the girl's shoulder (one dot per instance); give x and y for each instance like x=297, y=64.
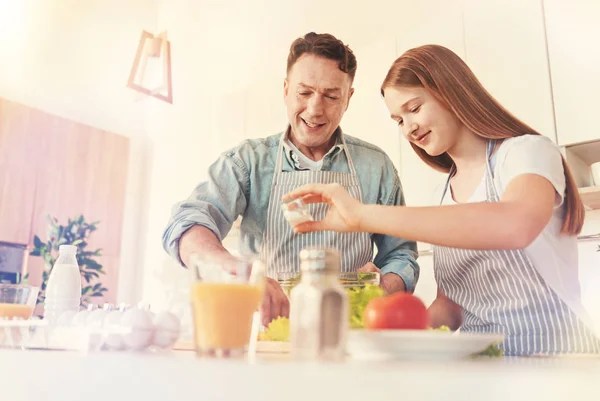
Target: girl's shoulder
x=527, y=142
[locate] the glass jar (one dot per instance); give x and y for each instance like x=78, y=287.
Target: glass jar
x=289, y=280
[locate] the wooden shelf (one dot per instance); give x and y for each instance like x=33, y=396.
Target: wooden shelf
x=591, y=197
x=588, y=152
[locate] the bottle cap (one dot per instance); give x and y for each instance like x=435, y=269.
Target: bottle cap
x=315, y=259
x=67, y=249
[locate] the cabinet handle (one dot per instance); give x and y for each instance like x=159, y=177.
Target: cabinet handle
x=591, y=237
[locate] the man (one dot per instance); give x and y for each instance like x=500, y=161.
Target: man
x=251, y=179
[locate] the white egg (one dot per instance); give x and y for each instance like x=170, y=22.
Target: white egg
x=95, y=325
x=66, y=318
x=96, y=318
x=166, y=329
x=113, y=327
x=80, y=319
x=139, y=329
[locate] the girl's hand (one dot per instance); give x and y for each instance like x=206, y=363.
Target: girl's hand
x=345, y=212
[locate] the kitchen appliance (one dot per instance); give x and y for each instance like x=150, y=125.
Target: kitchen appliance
x=13, y=258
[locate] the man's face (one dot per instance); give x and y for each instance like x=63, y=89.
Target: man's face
x=316, y=94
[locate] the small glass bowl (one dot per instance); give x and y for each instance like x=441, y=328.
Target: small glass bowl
x=17, y=300
x=347, y=280
x=296, y=212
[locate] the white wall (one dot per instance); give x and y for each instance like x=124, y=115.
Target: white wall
x=72, y=58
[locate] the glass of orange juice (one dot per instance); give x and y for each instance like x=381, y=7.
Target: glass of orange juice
x=17, y=300
x=225, y=295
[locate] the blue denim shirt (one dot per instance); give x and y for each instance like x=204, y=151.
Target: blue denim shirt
x=240, y=181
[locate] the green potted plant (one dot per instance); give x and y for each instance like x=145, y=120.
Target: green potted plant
x=76, y=232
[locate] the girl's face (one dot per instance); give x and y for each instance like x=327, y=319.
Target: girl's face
x=422, y=119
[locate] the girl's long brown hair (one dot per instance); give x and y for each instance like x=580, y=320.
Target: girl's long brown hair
x=451, y=82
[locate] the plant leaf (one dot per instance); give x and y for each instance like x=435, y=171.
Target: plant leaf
x=37, y=242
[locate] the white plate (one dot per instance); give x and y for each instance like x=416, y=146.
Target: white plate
x=417, y=344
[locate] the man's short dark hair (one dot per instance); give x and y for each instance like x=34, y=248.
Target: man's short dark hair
x=323, y=45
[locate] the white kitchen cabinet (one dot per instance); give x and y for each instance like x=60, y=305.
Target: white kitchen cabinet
x=506, y=49
x=573, y=33
x=589, y=279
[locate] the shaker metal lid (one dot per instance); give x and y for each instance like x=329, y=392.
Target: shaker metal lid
x=318, y=258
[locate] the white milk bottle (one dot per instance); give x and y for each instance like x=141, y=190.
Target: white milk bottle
x=63, y=292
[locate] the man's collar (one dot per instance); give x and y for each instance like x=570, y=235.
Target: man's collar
x=293, y=159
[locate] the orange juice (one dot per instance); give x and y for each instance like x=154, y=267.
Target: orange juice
x=15, y=310
x=223, y=314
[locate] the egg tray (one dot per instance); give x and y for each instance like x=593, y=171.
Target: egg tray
x=23, y=334
x=37, y=334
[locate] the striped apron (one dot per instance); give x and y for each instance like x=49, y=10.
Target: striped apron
x=281, y=246
x=500, y=291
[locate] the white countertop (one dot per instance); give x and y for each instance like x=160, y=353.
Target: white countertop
x=177, y=375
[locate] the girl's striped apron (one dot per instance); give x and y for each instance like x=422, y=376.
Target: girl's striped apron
x=501, y=291
x=281, y=246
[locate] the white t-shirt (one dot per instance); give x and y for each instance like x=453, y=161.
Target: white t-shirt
x=553, y=254
x=304, y=162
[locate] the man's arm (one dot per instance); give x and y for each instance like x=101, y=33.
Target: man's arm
x=396, y=257
x=199, y=237
x=199, y=224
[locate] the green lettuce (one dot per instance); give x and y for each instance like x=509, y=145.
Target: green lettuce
x=277, y=330
x=358, y=298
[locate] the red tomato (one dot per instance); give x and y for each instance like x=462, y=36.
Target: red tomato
x=396, y=311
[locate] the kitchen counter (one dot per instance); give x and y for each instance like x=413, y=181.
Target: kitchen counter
x=179, y=375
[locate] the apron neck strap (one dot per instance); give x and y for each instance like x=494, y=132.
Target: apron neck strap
x=279, y=161
x=489, y=173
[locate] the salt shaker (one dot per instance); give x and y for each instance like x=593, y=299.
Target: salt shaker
x=319, y=308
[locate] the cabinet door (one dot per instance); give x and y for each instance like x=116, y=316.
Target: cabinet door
x=573, y=32
x=506, y=49
x=430, y=22
x=589, y=277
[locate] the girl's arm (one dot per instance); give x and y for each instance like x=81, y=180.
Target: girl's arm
x=444, y=312
x=512, y=223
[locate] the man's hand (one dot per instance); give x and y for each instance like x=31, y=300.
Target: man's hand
x=390, y=282
x=275, y=303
